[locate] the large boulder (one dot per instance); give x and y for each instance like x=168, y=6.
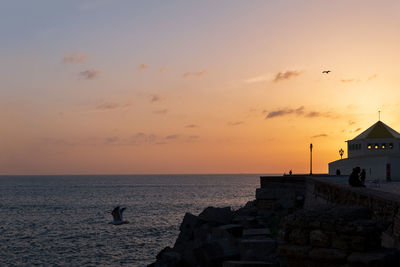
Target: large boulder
x=217, y=215
x=216, y=252
x=258, y=249
x=189, y=224
x=168, y=258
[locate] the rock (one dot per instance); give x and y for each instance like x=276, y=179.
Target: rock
x=164, y=250
x=187, y=253
x=168, y=257
x=256, y=232
x=249, y=264
x=299, y=236
x=217, y=215
x=384, y=257
x=348, y=213
x=246, y=221
x=265, y=213
x=358, y=243
x=248, y=210
x=295, y=251
x=388, y=241
x=214, y=253
x=258, y=250
x=203, y=233
x=328, y=254
x=234, y=230
x=319, y=239
x=189, y=223
x=341, y=241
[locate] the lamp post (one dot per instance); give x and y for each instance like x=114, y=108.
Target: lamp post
x=341, y=152
x=311, y=146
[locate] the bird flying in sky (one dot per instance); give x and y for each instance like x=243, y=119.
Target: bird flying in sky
x=326, y=71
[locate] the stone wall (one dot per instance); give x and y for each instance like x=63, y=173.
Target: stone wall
x=383, y=204
x=289, y=192
x=281, y=192
x=334, y=236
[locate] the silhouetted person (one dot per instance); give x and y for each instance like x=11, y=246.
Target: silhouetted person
x=354, y=177
x=290, y=172
x=362, y=176
x=337, y=172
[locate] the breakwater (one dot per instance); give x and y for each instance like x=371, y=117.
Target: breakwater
x=296, y=220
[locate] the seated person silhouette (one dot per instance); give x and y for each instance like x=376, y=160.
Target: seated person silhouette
x=362, y=176
x=354, y=178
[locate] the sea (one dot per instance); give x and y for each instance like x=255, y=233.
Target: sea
x=59, y=220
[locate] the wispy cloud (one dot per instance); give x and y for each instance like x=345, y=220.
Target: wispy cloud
x=284, y=111
x=155, y=98
x=142, y=137
x=194, y=74
x=258, y=79
x=139, y=138
x=163, y=69
x=358, y=129
x=319, y=135
x=194, y=137
x=313, y=114
x=74, y=58
x=300, y=111
x=161, y=111
x=349, y=80
x=142, y=67
x=57, y=142
x=110, y=106
x=374, y=76
x=191, y=126
x=235, y=123
x=89, y=74
x=283, y=76
x=172, y=136
x=111, y=140
x=352, y=122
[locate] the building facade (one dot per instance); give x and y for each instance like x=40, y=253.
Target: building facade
x=377, y=150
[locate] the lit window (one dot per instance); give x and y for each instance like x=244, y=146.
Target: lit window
x=383, y=146
x=369, y=146
x=391, y=146
x=376, y=146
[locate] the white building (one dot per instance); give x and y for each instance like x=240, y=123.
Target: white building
x=377, y=150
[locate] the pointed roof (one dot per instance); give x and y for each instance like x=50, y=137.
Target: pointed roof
x=378, y=130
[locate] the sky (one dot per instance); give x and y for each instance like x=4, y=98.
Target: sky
x=229, y=86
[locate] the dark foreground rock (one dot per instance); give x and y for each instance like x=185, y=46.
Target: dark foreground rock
x=222, y=237
x=328, y=235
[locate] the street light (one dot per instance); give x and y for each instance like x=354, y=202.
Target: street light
x=311, y=146
x=341, y=152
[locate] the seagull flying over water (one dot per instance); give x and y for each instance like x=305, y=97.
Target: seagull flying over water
x=117, y=216
x=326, y=71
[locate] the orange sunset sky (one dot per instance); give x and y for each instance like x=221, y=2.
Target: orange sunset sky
x=126, y=87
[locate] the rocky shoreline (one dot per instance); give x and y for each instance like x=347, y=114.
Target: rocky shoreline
x=223, y=237
x=282, y=231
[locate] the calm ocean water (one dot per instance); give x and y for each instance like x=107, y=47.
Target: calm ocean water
x=63, y=220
